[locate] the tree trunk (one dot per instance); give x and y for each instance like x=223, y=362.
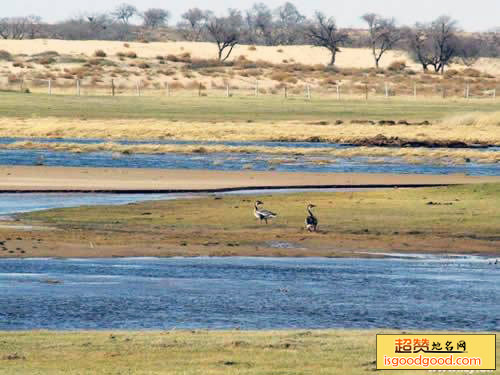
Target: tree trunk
x=332, y=60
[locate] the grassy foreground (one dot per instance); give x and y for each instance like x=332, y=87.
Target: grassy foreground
x=209, y=109
x=448, y=219
x=195, y=352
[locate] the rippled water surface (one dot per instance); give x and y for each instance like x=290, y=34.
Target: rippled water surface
x=241, y=161
x=250, y=293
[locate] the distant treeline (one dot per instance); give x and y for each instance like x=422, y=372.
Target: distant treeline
x=434, y=45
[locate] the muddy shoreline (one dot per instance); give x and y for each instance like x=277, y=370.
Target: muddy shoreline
x=133, y=180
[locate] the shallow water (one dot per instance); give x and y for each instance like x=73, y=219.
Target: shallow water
x=240, y=161
x=453, y=293
x=11, y=203
x=10, y=140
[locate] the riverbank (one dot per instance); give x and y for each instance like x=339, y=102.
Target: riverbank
x=65, y=179
x=455, y=219
x=473, y=129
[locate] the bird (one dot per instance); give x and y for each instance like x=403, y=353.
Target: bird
x=311, y=220
x=263, y=214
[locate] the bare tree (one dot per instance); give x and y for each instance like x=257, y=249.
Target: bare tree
x=155, y=17
x=323, y=32
x=260, y=24
x=98, y=22
x=14, y=27
x=421, y=46
x=383, y=35
x=124, y=12
x=289, y=23
x=442, y=31
x=193, y=23
x=435, y=44
x=469, y=49
x=226, y=32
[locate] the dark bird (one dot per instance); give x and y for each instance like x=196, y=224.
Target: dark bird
x=261, y=213
x=311, y=220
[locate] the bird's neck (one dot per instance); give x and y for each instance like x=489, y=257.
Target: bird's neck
x=310, y=212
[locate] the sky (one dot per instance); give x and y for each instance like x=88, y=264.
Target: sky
x=477, y=15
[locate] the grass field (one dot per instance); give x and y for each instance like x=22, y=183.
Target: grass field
x=191, y=352
x=210, y=110
x=449, y=219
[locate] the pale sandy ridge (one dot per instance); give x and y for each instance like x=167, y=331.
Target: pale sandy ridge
x=305, y=54
x=20, y=178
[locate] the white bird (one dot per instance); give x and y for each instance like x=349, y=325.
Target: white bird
x=311, y=220
x=261, y=213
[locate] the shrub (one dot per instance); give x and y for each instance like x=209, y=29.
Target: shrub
x=167, y=72
x=131, y=55
x=100, y=53
x=126, y=45
x=280, y=76
x=469, y=72
x=4, y=55
x=280, y=50
x=144, y=65
x=185, y=57
x=172, y=58
x=46, y=60
x=203, y=63
x=66, y=76
x=397, y=66
x=252, y=48
x=331, y=69
x=67, y=59
x=18, y=64
x=46, y=54
x=451, y=73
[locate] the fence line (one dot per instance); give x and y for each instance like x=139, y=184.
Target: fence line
x=306, y=91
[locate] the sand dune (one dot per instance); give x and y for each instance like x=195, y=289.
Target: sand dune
x=348, y=58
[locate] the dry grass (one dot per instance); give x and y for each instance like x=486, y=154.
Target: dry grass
x=469, y=128
x=295, y=65
x=191, y=352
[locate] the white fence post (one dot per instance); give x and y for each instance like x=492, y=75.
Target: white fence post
x=338, y=91
x=308, y=88
x=50, y=87
x=415, y=90
x=78, y=87
x=386, y=90
x=138, y=87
